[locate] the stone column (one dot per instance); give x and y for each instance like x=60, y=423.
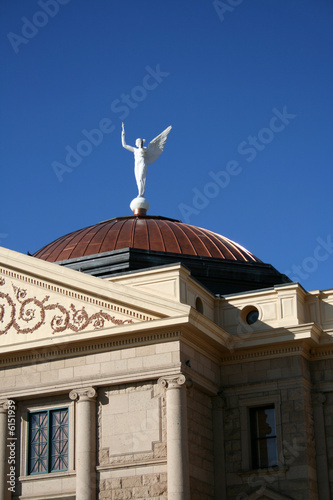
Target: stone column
x=177, y=440
x=3, y=450
x=318, y=400
x=85, y=443
x=219, y=457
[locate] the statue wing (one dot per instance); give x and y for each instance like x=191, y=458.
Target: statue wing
x=156, y=146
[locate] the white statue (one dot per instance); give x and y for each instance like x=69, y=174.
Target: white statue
x=145, y=156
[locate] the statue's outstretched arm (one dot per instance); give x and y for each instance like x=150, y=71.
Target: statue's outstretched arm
x=130, y=148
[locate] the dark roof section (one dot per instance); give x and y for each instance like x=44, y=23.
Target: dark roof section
x=145, y=233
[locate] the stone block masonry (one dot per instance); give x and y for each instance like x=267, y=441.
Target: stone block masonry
x=152, y=486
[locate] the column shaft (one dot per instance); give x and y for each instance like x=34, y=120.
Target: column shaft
x=85, y=444
x=177, y=440
x=3, y=450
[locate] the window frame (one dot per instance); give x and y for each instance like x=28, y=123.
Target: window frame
x=256, y=438
x=49, y=413
x=245, y=404
x=35, y=407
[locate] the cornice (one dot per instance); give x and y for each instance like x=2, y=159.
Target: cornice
x=33, y=270
x=271, y=386
x=75, y=294
x=322, y=352
x=296, y=348
x=267, y=353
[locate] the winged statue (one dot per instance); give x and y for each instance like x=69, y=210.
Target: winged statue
x=145, y=156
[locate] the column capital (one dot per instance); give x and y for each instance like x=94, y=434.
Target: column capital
x=219, y=401
x=4, y=404
x=84, y=394
x=318, y=398
x=174, y=381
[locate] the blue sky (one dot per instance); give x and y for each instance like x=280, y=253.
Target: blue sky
x=246, y=85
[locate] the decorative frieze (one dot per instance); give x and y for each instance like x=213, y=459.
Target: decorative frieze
x=27, y=314
x=72, y=294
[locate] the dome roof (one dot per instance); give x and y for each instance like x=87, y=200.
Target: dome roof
x=145, y=233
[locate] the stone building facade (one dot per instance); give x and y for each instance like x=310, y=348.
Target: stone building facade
x=148, y=384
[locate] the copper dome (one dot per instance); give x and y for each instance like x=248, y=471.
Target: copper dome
x=145, y=233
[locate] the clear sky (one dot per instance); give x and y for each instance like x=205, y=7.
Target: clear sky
x=246, y=85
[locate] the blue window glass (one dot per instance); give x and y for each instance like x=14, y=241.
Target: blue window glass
x=263, y=437
x=48, y=441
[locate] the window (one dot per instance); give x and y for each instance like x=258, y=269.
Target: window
x=48, y=441
x=199, y=305
x=250, y=315
x=263, y=437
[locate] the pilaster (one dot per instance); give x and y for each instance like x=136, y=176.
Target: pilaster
x=219, y=458
x=318, y=401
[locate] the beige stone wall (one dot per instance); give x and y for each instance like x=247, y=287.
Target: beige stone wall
x=283, y=381
x=152, y=486
x=91, y=368
x=322, y=376
x=131, y=416
x=131, y=424
x=132, y=442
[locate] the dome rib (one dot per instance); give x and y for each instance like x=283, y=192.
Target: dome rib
x=98, y=238
x=171, y=243
x=157, y=239
x=222, y=246
x=112, y=236
x=185, y=245
x=66, y=245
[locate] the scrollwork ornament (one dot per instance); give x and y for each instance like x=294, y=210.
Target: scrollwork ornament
x=33, y=313
x=85, y=394
x=4, y=405
x=9, y=322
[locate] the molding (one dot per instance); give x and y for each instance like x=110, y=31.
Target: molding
x=324, y=386
x=130, y=465
x=324, y=352
x=247, y=390
x=273, y=352
x=301, y=348
x=68, y=281
x=99, y=383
